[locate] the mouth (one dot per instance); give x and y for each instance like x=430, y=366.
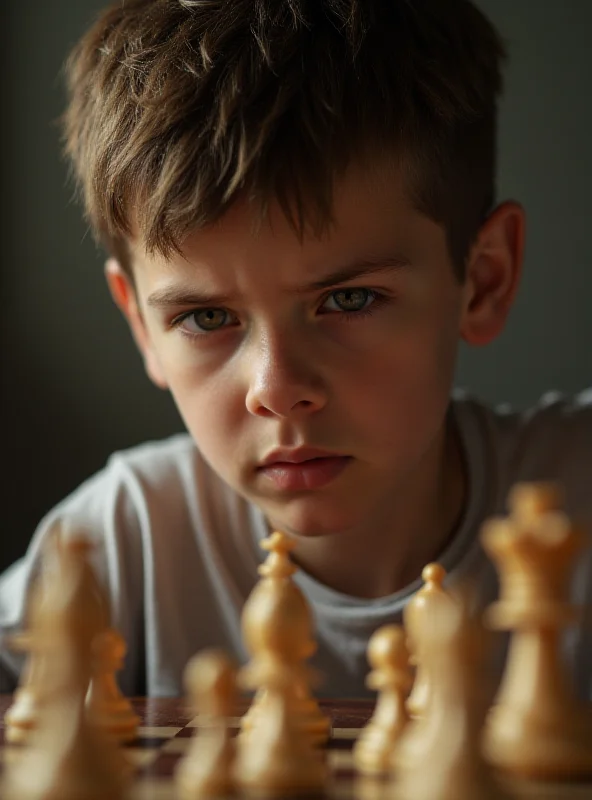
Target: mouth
x=307, y=474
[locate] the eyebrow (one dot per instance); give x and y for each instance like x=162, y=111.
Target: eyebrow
x=174, y=296
x=357, y=269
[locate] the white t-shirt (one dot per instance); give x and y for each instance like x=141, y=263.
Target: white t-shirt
x=179, y=549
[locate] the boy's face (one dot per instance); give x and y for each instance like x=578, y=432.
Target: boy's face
x=344, y=344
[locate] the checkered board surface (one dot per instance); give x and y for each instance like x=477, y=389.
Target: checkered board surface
x=158, y=750
x=168, y=727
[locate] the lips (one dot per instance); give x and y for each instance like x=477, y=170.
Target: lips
x=296, y=455
x=301, y=473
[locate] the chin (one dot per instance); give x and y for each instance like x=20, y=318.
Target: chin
x=308, y=519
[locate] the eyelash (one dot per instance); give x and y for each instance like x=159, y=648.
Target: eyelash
x=379, y=300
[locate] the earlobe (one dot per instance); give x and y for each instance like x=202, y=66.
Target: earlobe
x=124, y=296
x=493, y=274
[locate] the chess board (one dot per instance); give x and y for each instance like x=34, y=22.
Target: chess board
x=167, y=727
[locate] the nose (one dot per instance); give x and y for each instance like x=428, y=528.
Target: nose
x=282, y=378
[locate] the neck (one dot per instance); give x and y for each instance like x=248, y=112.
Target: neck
x=406, y=533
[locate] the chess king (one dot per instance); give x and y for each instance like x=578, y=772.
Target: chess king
x=298, y=207
x=536, y=728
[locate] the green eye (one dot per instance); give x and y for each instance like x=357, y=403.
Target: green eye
x=210, y=318
x=351, y=299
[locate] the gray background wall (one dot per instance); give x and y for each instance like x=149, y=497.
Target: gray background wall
x=73, y=389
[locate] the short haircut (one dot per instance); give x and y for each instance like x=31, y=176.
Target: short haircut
x=177, y=108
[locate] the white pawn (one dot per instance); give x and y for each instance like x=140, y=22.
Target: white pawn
x=207, y=769
x=438, y=757
x=389, y=659
x=426, y=601
x=106, y=705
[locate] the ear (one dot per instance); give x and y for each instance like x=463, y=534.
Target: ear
x=124, y=295
x=493, y=273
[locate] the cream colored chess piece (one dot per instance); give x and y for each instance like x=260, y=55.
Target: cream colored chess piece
x=276, y=575
x=536, y=728
x=390, y=675
x=431, y=595
x=438, y=756
x=207, y=769
x=277, y=755
x=66, y=758
x=105, y=704
x=21, y=717
x=277, y=758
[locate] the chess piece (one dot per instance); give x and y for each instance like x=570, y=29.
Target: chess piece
x=66, y=758
x=105, y=704
x=21, y=717
x=207, y=769
x=277, y=755
x=438, y=756
x=276, y=575
x=535, y=728
x=418, y=609
x=390, y=675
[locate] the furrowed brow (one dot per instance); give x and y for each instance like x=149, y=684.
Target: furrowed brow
x=357, y=269
x=175, y=296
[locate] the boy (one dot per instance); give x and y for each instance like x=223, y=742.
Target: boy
x=298, y=202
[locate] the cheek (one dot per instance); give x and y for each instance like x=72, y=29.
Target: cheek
x=205, y=405
x=213, y=411
x=404, y=390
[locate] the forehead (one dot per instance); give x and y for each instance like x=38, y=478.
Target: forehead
x=372, y=218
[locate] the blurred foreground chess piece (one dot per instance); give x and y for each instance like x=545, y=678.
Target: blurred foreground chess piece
x=207, y=769
x=438, y=756
x=276, y=753
x=21, y=717
x=276, y=574
x=67, y=758
x=536, y=728
x=105, y=704
x=417, y=611
x=391, y=677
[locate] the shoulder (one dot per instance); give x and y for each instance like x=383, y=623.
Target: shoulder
x=155, y=461
x=170, y=539
x=147, y=510
x=552, y=418
x=147, y=475
x=551, y=440
x=125, y=507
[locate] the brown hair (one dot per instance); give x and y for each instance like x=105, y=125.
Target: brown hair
x=178, y=107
